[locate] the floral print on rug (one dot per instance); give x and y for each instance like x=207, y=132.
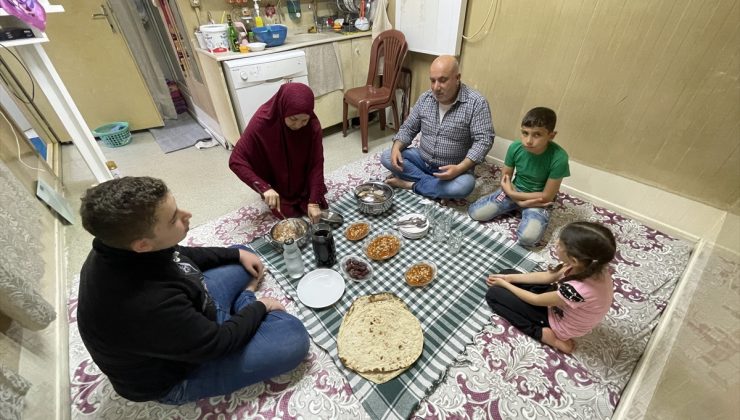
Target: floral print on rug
x=502, y=373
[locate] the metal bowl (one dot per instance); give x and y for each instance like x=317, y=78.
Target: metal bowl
x=332, y=218
x=374, y=197
x=295, y=228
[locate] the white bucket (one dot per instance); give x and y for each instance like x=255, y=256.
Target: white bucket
x=201, y=41
x=216, y=37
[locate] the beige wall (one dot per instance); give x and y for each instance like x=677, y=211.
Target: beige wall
x=646, y=90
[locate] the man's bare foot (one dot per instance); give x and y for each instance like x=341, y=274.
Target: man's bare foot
x=549, y=338
x=399, y=183
x=255, y=283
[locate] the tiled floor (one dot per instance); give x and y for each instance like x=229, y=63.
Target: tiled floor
x=701, y=377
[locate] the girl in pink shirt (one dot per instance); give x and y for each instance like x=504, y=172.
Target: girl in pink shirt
x=566, y=302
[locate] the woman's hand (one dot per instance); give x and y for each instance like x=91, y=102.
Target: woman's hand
x=272, y=199
x=251, y=263
x=314, y=212
x=497, y=280
x=271, y=304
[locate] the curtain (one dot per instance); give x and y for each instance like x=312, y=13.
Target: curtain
x=21, y=266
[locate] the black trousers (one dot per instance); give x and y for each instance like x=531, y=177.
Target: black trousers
x=529, y=319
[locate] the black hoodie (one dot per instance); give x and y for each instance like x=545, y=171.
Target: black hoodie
x=147, y=319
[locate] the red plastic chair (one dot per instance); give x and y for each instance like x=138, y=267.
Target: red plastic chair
x=392, y=46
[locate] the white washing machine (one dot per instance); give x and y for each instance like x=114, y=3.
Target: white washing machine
x=254, y=80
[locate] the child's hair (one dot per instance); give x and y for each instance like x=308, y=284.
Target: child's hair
x=120, y=211
x=540, y=117
x=590, y=243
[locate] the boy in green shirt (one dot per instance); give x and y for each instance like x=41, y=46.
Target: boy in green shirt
x=540, y=167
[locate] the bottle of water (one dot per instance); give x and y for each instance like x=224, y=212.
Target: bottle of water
x=293, y=259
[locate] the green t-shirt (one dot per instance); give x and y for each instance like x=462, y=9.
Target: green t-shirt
x=533, y=171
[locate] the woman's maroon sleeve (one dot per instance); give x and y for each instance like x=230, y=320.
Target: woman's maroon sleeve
x=241, y=166
x=317, y=187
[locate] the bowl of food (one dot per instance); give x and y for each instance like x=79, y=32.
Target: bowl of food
x=291, y=228
x=357, y=231
x=420, y=273
x=374, y=197
x=382, y=246
x=356, y=268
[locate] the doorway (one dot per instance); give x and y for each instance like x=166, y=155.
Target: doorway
x=165, y=57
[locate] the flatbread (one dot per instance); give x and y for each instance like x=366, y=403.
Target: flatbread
x=379, y=338
x=381, y=378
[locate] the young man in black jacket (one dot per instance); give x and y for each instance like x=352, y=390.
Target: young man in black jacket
x=171, y=323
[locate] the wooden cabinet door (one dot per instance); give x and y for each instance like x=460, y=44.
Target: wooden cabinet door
x=360, y=60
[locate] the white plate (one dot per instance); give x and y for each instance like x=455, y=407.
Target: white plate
x=320, y=288
x=413, y=232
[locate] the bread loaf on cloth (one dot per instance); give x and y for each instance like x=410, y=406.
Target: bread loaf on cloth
x=379, y=337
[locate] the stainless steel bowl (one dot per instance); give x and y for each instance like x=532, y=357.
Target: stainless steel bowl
x=276, y=232
x=374, y=197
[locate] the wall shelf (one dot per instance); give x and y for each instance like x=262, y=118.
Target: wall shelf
x=39, y=65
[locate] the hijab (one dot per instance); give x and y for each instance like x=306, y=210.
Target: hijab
x=286, y=159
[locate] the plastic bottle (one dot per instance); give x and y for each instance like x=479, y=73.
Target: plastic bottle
x=293, y=259
x=113, y=168
x=257, y=18
x=233, y=36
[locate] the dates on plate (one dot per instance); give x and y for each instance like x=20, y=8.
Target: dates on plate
x=356, y=269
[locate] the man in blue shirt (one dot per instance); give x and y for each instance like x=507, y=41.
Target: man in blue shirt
x=456, y=134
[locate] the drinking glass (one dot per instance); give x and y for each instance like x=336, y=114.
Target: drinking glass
x=454, y=241
x=442, y=227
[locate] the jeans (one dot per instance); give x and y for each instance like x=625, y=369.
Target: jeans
x=534, y=219
x=416, y=170
x=279, y=346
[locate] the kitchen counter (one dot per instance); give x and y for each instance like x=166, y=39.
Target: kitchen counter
x=354, y=54
x=291, y=42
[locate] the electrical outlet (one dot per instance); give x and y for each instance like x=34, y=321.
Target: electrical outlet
x=194, y=3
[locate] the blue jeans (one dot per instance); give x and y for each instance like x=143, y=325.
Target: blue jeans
x=416, y=170
x=534, y=219
x=279, y=346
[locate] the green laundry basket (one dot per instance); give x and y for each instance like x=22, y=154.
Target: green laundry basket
x=114, y=134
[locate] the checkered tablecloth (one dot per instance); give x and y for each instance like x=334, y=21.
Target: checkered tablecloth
x=451, y=309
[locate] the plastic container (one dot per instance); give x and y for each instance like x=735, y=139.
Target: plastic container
x=293, y=259
x=216, y=37
x=256, y=46
x=114, y=134
x=272, y=35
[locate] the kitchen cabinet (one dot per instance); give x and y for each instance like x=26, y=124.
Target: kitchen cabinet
x=360, y=60
x=354, y=56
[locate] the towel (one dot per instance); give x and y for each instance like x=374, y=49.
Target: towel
x=324, y=69
x=380, y=17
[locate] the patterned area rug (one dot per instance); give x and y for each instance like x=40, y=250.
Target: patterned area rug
x=502, y=373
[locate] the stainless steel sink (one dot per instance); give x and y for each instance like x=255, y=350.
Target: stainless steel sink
x=306, y=37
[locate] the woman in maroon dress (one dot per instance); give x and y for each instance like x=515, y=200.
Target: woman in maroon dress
x=280, y=154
